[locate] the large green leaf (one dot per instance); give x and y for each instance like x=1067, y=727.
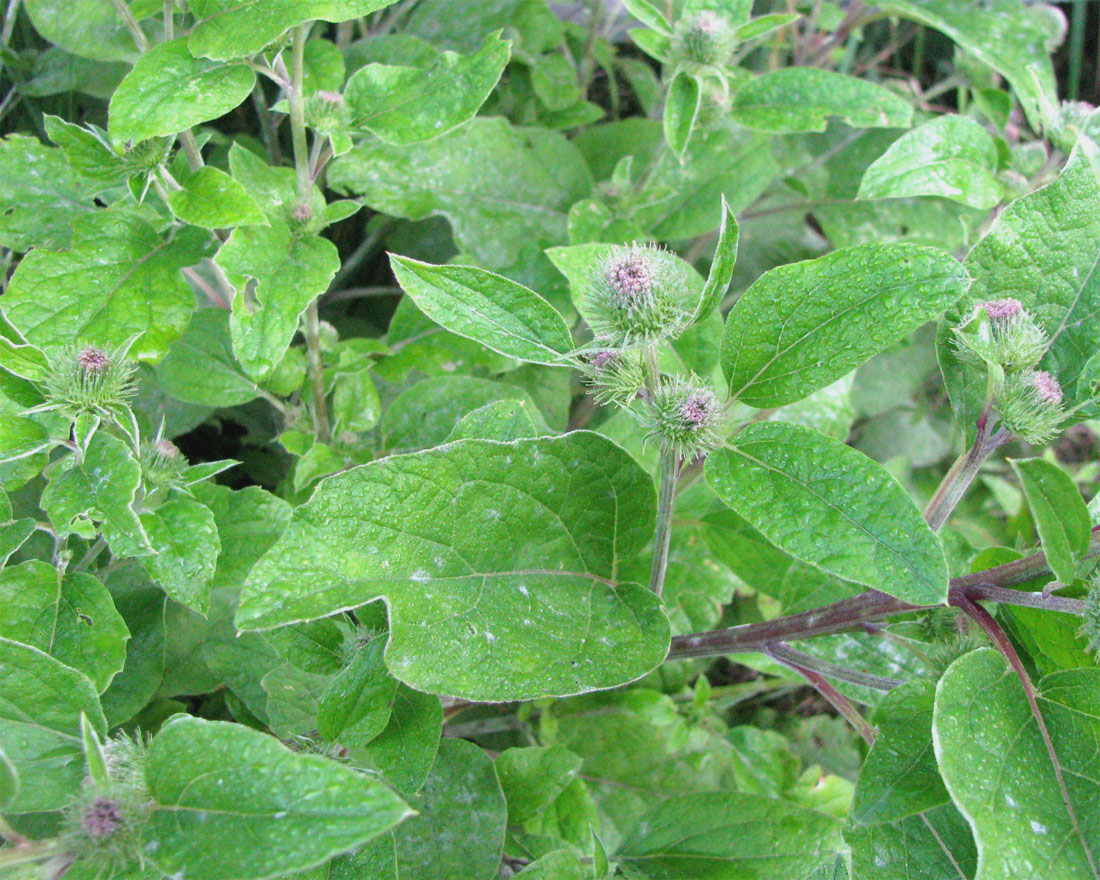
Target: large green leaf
x=355, y=708
x=88, y=28
x=1005, y=34
x=997, y=768
x=169, y=90
x=1059, y=512
x=41, y=701
x=1044, y=251
x=406, y=105
x=951, y=156
x=98, y=290
x=899, y=777
x=728, y=835
x=289, y=273
x=41, y=195
x=238, y=28
x=831, y=506
x=405, y=749
x=230, y=802
x=71, y=618
x=802, y=326
x=459, y=829
x=935, y=845
x=212, y=199
x=491, y=309
x=497, y=561
x=102, y=487
x=200, y=367
x=185, y=537
x=502, y=188
x=803, y=99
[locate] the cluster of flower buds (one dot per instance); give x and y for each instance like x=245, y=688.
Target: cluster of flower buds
x=687, y=417
x=705, y=38
x=88, y=380
x=637, y=294
x=1002, y=333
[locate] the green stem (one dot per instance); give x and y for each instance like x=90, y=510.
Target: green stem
x=962, y=474
x=296, y=101
x=33, y=852
x=91, y=555
x=169, y=20
x=127, y=16
x=9, y=21
x=316, y=374
x=786, y=654
x=1078, y=24
x=835, y=698
x=670, y=464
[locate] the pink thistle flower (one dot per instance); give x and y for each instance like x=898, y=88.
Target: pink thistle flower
x=629, y=277
x=698, y=409
x=333, y=98
x=1050, y=392
x=101, y=818
x=93, y=360
x=1002, y=309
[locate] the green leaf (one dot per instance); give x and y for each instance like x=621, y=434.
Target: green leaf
x=239, y=28
x=681, y=111
x=185, y=537
x=101, y=487
x=503, y=189
x=727, y=834
x=649, y=14
x=802, y=326
x=200, y=367
x=951, y=156
x=480, y=546
x=1005, y=34
x=899, y=777
x=73, y=619
x=41, y=701
x=803, y=98
x=405, y=749
x=24, y=448
x=459, y=829
x=764, y=24
x=558, y=865
x=168, y=91
x=98, y=290
x=9, y=781
x=355, y=707
x=532, y=778
x=407, y=105
x=88, y=28
x=1059, y=513
x=935, y=845
x=499, y=420
x=832, y=507
x=425, y=414
x=142, y=607
x=997, y=768
x=488, y=308
x=41, y=195
x=1044, y=250
x=721, y=267
x=212, y=199
x=289, y=273
x=233, y=802
x=18, y=356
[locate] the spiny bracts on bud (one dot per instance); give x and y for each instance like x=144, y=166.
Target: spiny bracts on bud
x=706, y=38
x=636, y=294
x=687, y=417
x=144, y=156
x=615, y=377
x=326, y=112
x=1030, y=406
x=86, y=379
x=1003, y=333
x=1090, y=621
x=162, y=463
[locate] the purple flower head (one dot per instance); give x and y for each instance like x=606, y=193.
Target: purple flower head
x=708, y=22
x=1002, y=309
x=93, y=361
x=698, y=408
x=629, y=276
x=167, y=449
x=1047, y=387
x=602, y=358
x=101, y=818
x=302, y=212
x=333, y=98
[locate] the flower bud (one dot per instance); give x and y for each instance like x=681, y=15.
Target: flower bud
x=616, y=377
x=101, y=818
x=637, y=294
x=87, y=379
x=687, y=417
x=326, y=112
x=1030, y=406
x=162, y=463
x=705, y=38
x=1003, y=333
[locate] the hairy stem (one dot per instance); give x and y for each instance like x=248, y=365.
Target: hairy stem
x=127, y=16
x=962, y=473
x=316, y=373
x=872, y=605
x=1000, y=639
x=169, y=20
x=835, y=698
x=29, y=852
x=784, y=653
x=670, y=466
